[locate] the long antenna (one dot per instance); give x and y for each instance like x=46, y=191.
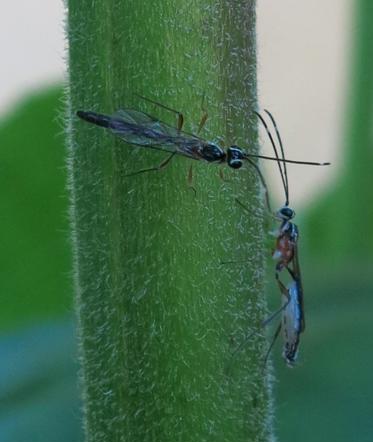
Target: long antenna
x=282, y=151
x=277, y=156
x=286, y=160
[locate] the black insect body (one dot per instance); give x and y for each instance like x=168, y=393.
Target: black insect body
x=141, y=129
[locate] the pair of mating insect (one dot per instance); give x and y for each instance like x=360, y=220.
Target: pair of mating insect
x=140, y=129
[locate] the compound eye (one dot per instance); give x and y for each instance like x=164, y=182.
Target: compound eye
x=235, y=163
x=235, y=156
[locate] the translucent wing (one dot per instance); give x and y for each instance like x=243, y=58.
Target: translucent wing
x=141, y=129
x=298, y=278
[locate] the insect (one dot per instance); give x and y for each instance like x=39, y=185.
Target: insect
x=292, y=322
x=141, y=129
x=286, y=254
x=286, y=248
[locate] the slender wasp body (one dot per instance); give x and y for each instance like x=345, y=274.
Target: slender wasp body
x=285, y=253
x=292, y=322
x=143, y=130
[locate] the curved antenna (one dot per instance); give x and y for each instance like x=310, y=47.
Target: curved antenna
x=281, y=148
x=276, y=155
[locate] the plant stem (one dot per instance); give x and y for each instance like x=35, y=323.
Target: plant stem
x=159, y=316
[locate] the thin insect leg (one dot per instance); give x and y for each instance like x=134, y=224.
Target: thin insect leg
x=283, y=289
x=252, y=212
x=291, y=273
x=246, y=209
x=285, y=292
x=202, y=122
x=275, y=336
x=270, y=318
x=276, y=313
x=180, y=116
x=190, y=180
x=204, y=115
x=190, y=175
x=263, y=324
x=261, y=177
x=154, y=169
x=222, y=177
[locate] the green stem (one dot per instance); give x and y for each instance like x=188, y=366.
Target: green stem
x=159, y=316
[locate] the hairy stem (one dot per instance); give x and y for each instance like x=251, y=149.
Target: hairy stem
x=159, y=316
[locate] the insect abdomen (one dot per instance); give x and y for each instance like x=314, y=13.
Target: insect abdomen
x=98, y=119
x=212, y=153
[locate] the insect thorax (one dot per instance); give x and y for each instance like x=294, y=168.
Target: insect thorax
x=291, y=230
x=212, y=152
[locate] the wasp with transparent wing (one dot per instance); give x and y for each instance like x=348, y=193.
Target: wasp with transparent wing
x=286, y=249
x=286, y=254
x=143, y=130
x=292, y=323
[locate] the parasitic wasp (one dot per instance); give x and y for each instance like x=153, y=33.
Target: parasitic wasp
x=140, y=129
x=286, y=254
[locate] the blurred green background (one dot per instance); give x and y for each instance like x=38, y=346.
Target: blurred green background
x=327, y=397
x=39, y=398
